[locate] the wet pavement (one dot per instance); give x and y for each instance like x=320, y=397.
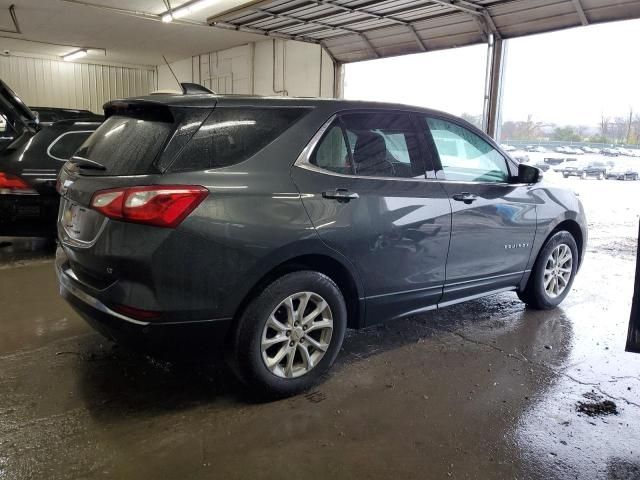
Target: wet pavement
x=486, y=389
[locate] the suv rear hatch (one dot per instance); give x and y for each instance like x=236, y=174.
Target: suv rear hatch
x=118, y=174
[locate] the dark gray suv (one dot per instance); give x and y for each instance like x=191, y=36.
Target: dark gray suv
x=268, y=226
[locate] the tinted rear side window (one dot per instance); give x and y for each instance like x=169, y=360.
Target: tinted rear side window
x=63, y=147
x=232, y=135
x=126, y=145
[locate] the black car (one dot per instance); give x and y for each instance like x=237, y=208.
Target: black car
x=623, y=172
x=594, y=169
x=610, y=152
x=31, y=155
x=266, y=227
x=49, y=115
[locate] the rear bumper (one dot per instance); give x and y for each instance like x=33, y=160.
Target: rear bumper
x=172, y=337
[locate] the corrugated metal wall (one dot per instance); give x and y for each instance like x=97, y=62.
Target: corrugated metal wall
x=51, y=83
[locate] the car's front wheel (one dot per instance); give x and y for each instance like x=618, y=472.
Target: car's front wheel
x=553, y=272
x=289, y=334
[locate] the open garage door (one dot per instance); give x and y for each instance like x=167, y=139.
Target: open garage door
x=355, y=30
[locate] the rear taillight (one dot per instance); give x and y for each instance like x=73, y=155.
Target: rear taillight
x=14, y=184
x=159, y=205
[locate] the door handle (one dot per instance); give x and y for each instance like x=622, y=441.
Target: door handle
x=342, y=195
x=465, y=197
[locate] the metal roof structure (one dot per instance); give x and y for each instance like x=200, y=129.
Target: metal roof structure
x=354, y=30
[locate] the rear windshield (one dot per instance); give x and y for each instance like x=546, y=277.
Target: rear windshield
x=232, y=135
x=126, y=145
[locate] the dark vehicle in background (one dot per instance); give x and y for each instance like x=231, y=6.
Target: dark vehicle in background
x=31, y=155
x=610, y=152
x=594, y=169
x=590, y=150
x=623, y=172
x=555, y=161
x=542, y=166
x=520, y=157
x=48, y=115
x=570, y=171
x=269, y=225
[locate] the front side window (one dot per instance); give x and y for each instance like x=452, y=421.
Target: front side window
x=465, y=156
x=371, y=145
x=66, y=144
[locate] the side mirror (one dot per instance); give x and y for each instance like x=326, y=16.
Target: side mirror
x=529, y=174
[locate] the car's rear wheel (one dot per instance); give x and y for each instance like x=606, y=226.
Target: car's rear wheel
x=601, y=176
x=289, y=334
x=553, y=272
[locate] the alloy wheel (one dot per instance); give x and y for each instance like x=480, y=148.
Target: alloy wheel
x=558, y=270
x=297, y=335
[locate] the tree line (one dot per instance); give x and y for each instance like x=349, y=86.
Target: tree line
x=611, y=130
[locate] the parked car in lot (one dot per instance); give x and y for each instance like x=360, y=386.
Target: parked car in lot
x=49, y=115
x=542, y=166
x=623, y=172
x=557, y=161
x=610, y=152
x=570, y=171
x=269, y=225
x=593, y=169
x=508, y=148
x=31, y=155
x=590, y=150
x=535, y=148
x=520, y=157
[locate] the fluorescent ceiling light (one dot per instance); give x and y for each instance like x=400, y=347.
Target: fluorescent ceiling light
x=187, y=9
x=74, y=55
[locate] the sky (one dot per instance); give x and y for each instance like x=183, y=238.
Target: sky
x=569, y=77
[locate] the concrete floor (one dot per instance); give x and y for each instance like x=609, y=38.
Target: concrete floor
x=482, y=390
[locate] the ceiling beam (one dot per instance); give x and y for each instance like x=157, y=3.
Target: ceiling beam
x=314, y=22
x=318, y=23
x=580, y=11
x=379, y=16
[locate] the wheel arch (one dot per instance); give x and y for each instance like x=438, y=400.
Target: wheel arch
x=574, y=229
x=326, y=264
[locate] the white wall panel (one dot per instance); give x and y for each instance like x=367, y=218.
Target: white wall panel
x=52, y=83
x=299, y=70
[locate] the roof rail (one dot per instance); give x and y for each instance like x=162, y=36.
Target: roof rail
x=194, y=89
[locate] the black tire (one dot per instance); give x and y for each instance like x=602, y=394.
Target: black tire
x=534, y=294
x=245, y=355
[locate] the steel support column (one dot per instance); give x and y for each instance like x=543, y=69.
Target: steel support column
x=493, y=86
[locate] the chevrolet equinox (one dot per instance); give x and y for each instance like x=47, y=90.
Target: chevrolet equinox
x=267, y=226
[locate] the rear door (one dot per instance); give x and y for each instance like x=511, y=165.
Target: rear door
x=493, y=220
x=365, y=187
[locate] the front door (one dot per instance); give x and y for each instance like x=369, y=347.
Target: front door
x=365, y=189
x=493, y=219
